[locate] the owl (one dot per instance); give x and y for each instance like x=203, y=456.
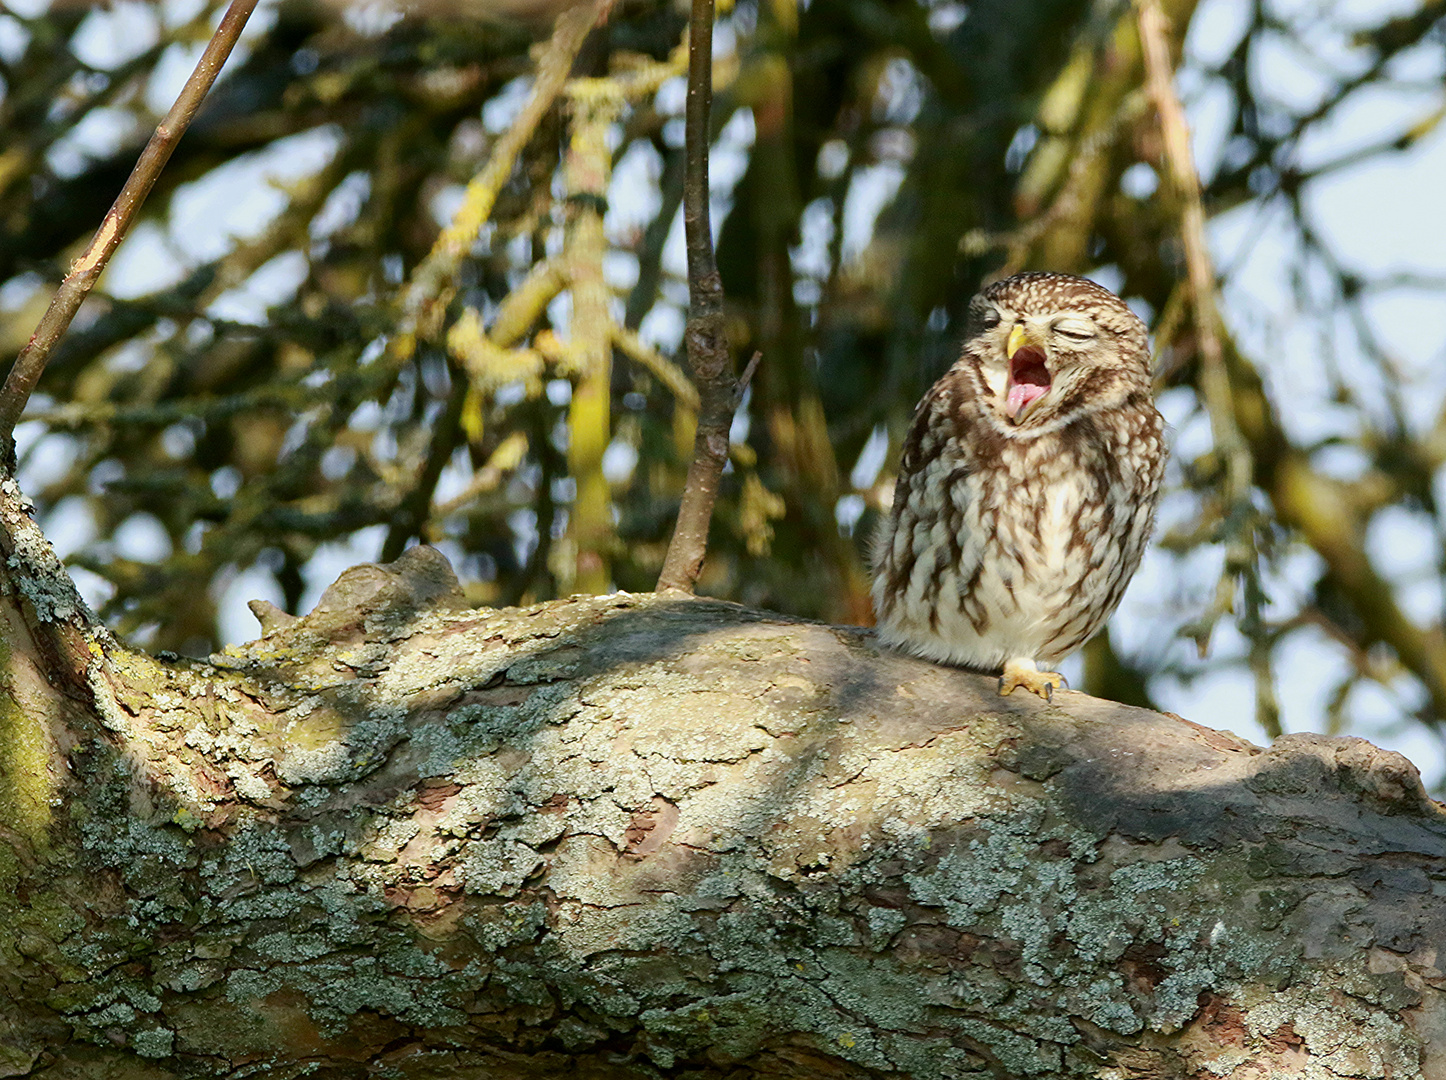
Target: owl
x=1028, y=485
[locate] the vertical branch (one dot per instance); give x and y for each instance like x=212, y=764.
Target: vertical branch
x=706, y=335
x=584, y=355
x=596, y=104
x=86, y=270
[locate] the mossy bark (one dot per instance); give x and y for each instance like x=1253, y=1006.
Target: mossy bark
x=638, y=836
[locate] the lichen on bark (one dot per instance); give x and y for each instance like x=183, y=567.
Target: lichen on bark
x=635, y=836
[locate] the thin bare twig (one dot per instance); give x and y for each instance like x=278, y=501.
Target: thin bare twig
x=707, y=338
x=86, y=270
x=747, y=376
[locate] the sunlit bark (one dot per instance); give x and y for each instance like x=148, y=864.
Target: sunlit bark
x=636, y=835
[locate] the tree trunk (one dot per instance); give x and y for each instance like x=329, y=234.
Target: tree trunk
x=643, y=836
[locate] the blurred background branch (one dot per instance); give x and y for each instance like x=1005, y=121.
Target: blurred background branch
x=421, y=273
x=1239, y=534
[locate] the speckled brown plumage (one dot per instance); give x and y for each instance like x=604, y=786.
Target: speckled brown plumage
x=1028, y=484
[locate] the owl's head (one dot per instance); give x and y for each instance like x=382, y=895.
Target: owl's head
x=1049, y=347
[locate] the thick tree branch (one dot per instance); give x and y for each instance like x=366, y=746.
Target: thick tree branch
x=629, y=836
x=86, y=270
x=62, y=636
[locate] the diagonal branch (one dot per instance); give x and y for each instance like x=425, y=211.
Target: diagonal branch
x=1239, y=518
x=1175, y=134
x=430, y=288
x=86, y=270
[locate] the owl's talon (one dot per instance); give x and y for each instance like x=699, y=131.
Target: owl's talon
x=1043, y=683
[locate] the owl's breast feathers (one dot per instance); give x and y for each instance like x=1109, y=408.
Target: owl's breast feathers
x=1012, y=542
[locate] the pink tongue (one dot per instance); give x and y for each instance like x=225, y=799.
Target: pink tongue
x=1021, y=394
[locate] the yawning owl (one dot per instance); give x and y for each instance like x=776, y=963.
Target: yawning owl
x=1028, y=484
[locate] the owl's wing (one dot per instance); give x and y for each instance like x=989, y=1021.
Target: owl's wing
x=913, y=449
x=930, y=550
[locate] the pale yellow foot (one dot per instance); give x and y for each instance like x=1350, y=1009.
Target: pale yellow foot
x=1023, y=673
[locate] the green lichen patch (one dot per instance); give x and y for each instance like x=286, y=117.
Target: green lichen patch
x=635, y=832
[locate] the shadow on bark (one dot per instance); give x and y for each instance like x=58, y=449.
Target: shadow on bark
x=638, y=836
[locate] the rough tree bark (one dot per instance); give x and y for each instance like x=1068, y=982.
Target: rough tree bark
x=641, y=836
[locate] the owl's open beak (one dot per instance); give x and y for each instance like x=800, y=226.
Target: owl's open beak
x=1028, y=376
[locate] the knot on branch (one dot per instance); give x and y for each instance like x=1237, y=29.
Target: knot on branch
x=421, y=579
